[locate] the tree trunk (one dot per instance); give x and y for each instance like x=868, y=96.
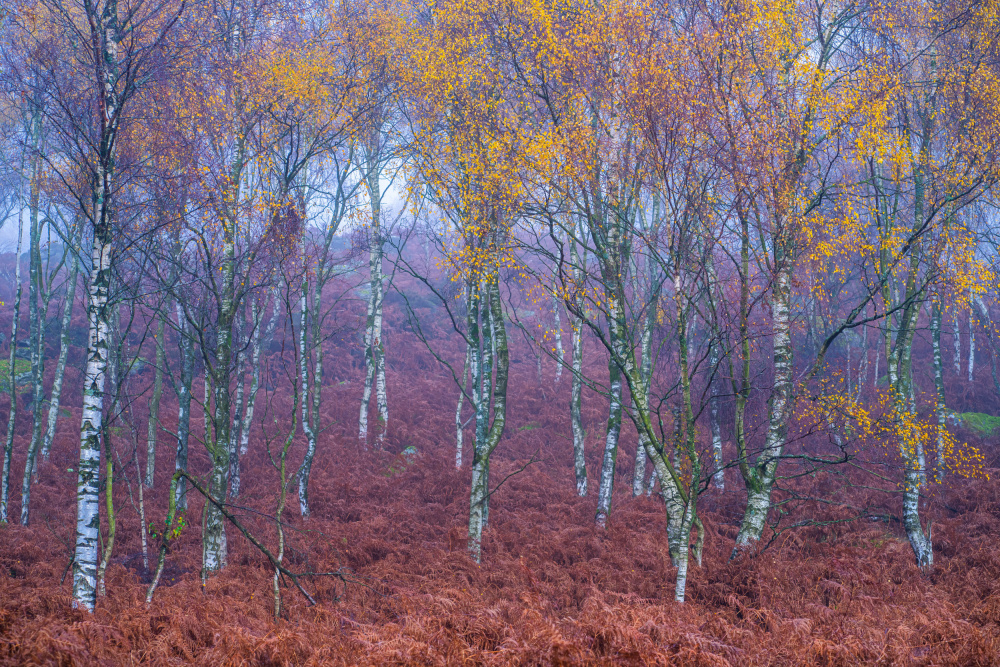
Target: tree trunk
x=606, y=486
x=88, y=473
x=8, y=448
x=214, y=529
x=255, y=367
x=576, y=390
x=556, y=306
x=37, y=310
x=234, y=428
x=154, y=402
x=479, y=496
x=374, y=348
x=972, y=343
x=184, y=385
x=459, y=424
x=761, y=477
x=311, y=394
x=719, y=476
x=64, y=342
x=646, y=368
x=940, y=409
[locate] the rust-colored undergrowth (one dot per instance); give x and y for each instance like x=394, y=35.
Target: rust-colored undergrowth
x=552, y=589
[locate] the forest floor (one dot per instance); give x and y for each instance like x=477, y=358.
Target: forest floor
x=552, y=589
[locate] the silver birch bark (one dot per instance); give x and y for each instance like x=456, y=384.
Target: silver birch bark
x=37, y=310
x=88, y=509
x=940, y=409
x=479, y=492
x=606, y=485
x=8, y=447
x=614, y=265
x=234, y=428
x=374, y=347
x=64, y=343
x=719, y=476
x=972, y=341
x=646, y=368
x=311, y=392
x=576, y=390
x=214, y=529
x=153, y=426
x=184, y=397
x=900, y=366
x=761, y=477
x=560, y=354
x=104, y=30
x=459, y=425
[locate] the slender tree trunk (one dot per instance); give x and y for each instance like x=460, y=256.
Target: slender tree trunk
x=719, y=476
x=37, y=311
x=234, y=428
x=184, y=386
x=646, y=368
x=900, y=368
x=311, y=394
x=576, y=390
x=940, y=409
x=8, y=448
x=972, y=343
x=479, y=496
x=459, y=424
x=153, y=425
x=605, y=489
x=112, y=522
x=255, y=368
x=64, y=342
x=374, y=348
x=487, y=361
x=761, y=477
x=560, y=354
x=214, y=529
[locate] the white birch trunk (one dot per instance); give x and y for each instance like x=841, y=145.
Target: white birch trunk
x=556, y=306
x=646, y=368
x=8, y=448
x=153, y=426
x=719, y=476
x=311, y=397
x=184, y=397
x=940, y=409
x=234, y=430
x=972, y=343
x=762, y=475
x=64, y=342
x=37, y=311
x=88, y=473
x=576, y=390
x=459, y=425
x=497, y=339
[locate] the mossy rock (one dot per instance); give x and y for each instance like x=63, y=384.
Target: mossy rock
x=980, y=422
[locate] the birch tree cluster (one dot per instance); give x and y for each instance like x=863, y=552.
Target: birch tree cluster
x=729, y=224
